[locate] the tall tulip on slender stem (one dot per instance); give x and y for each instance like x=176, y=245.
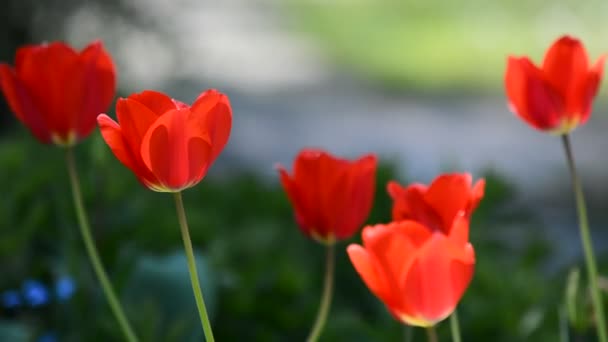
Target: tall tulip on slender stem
x=331, y=197
x=57, y=93
x=556, y=98
x=169, y=146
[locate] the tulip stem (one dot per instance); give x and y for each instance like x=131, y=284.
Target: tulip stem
x=196, y=287
x=431, y=334
x=85, y=231
x=455, y=327
x=587, y=242
x=408, y=333
x=326, y=297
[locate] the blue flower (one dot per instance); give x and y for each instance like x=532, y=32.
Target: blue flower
x=47, y=337
x=35, y=293
x=11, y=299
x=64, y=288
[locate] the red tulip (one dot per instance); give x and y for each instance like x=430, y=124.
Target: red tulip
x=331, y=197
x=556, y=97
x=437, y=205
x=57, y=92
x=421, y=264
x=168, y=145
x=419, y=274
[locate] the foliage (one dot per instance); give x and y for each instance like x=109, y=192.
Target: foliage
x=261, y=275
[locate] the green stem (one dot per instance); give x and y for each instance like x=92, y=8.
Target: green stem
x=563, y=325
x=455, y=327
x=431, y=334
x=85, y=231
x=196, y=287
x=408, y=333
x=587, y=244
x=326, y=297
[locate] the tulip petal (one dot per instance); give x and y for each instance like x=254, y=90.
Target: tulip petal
x=529, y=97
x=477, y=194
x=215, y=116
x=565, y=63
x=333, y=174
x=416, y=233
x=435, y=282
x=175, y=151
x=313, y=173
x=199, y=158
x=461, y=276
x=54, y=80
x=22, y=105
x=587, y=89
x=294, y=196
x=393, y=247
x=360, y=191
x=135, y=120
x=598, y=67
x=388, y=248
x=459, y=231
x=410, y=204
x=364, y=265
x=23, y=53
x=447, y=195
x=156, y=102
x=395, y=190
x=99, y=86
x=112, y=134
x=387, y=258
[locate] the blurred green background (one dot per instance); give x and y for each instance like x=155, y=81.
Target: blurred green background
x=261, y=278
x=445, y=45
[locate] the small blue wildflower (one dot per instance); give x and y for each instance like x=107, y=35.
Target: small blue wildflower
x=11, y=299
x=47, y=337
x=64, y=288
x=35, y=293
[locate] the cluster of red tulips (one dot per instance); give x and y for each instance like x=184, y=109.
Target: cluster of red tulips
x=419, y=264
